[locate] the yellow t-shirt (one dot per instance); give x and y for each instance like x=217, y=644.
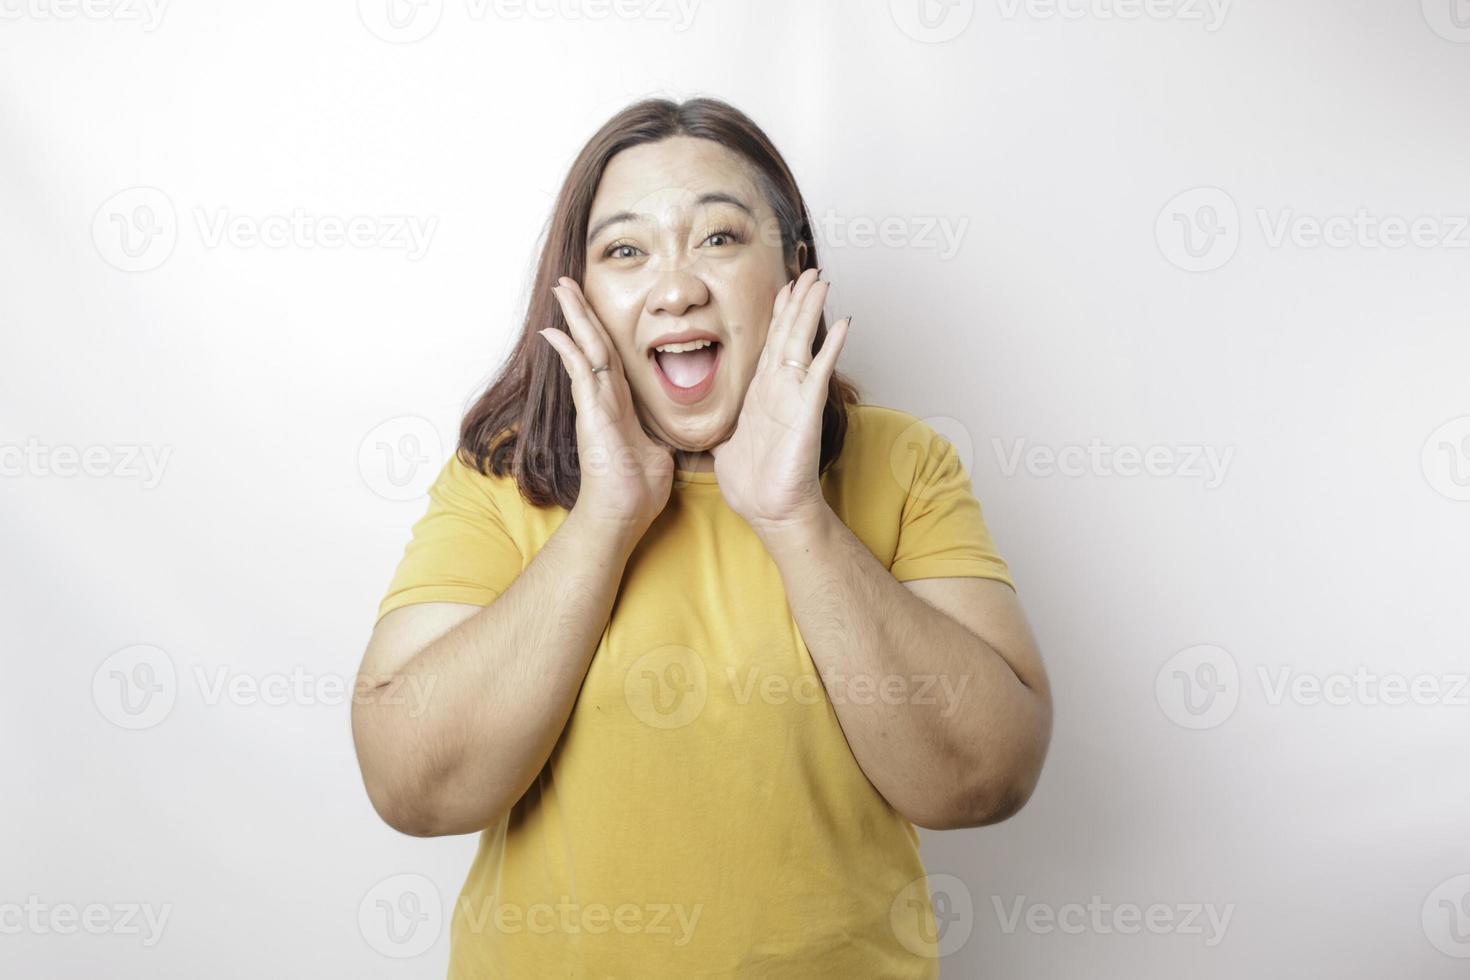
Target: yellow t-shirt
x=702, y=814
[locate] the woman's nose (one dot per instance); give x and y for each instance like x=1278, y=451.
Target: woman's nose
x=677, y=290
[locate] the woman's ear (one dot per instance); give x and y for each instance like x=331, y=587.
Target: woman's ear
x=800, y=259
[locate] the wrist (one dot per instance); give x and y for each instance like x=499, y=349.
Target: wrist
x=799, y=532
x=621, y=534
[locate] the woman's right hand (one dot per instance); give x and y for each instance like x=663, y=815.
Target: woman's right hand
x=626, y=475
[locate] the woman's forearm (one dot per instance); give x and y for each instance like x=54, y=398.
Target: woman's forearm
x=957, y=754
x=502, y=684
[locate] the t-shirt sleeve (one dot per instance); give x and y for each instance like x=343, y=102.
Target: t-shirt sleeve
x=943, y=532
x=461, y=549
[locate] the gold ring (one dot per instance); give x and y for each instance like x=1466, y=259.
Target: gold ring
x=797, y=364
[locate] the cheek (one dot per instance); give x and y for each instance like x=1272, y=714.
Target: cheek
x=618, y=311
x=746, y=298
x=753, y=343
x=750, y=330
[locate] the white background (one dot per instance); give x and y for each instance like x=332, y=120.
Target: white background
x=1332, y=378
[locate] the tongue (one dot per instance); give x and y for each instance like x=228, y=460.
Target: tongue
x=689, y=368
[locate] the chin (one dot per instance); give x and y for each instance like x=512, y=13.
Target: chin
x=697, y=437
x=693, y=444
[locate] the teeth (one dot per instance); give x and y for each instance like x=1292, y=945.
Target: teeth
x=681, y=348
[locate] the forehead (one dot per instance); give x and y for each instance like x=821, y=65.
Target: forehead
x=653, y=177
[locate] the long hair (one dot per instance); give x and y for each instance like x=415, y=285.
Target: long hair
x=525, y=422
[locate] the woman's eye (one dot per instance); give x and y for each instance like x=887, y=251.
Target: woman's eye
x=731, y=236
x=626, y=250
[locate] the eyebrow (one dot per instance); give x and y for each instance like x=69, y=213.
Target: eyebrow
x=713, y=197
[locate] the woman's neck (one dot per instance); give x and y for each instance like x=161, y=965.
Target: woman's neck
x=695, y=462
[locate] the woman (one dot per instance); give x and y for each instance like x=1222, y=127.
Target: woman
x=706, y=638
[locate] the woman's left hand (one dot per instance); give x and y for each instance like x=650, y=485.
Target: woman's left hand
x=768, y=469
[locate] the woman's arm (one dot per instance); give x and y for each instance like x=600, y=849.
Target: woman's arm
x=459, y=706
x=501, y=681
x=938, y=686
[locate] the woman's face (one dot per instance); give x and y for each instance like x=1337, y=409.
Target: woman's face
x=681, y=242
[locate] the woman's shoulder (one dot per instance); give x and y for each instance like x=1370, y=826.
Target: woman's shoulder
x=471, y=479
x=884, y=442
x=885, y=431
x=878, y=417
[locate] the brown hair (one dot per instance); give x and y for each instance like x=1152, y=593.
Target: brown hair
x=525, y=422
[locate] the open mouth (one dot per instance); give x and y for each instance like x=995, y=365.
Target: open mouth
x=687, y=370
